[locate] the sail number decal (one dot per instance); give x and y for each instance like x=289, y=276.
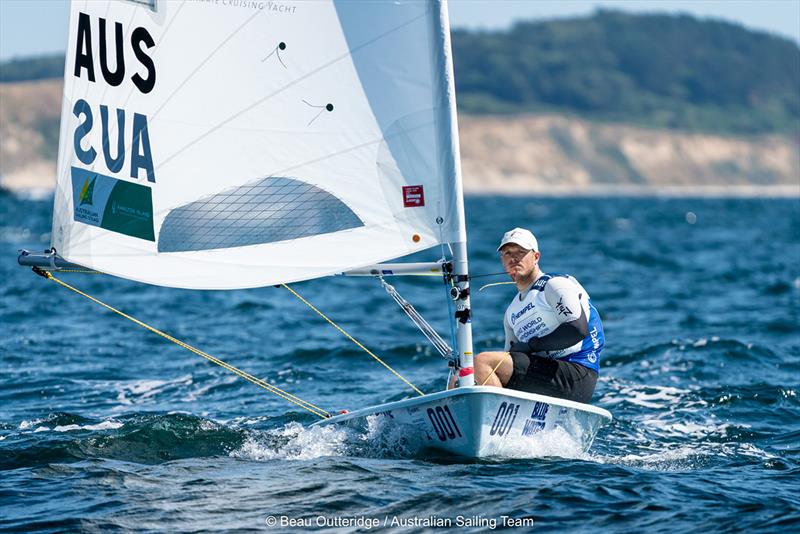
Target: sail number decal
x=143, y=78
x=504, y=419
x=444, y=424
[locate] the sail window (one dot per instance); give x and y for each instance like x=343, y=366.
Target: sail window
x=270, y=210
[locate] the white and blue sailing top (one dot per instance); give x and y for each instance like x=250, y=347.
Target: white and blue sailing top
x=549, y=302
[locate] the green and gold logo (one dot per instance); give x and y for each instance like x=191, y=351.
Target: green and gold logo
x=87, y=191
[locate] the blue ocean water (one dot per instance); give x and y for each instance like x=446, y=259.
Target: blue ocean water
x=106, y=426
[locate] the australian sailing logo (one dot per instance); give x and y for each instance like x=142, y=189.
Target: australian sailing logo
x=87, y=192
x=116, y=205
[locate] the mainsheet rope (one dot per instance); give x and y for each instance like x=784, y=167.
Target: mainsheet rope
x=351, y=338
x=319, y=412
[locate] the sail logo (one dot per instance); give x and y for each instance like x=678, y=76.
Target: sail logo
x=413, y=196
x=87, y=192
x=115, y=205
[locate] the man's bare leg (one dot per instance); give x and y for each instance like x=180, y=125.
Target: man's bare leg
x=493, y=368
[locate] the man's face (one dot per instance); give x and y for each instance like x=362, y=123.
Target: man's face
x=518, y=261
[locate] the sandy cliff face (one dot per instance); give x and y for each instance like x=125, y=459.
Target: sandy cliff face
x=520, y=154
x=29, y=121
x=553, y=153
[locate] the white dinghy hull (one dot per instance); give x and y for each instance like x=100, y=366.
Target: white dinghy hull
x=480, y=422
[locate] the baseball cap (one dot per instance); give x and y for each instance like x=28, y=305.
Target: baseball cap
x=521, y=237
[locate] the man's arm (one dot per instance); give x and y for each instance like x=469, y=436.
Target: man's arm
x=566, y=335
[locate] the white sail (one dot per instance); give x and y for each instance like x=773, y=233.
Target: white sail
x=243, y=143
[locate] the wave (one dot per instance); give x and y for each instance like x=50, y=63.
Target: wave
x=658, y=427
x=141, y=438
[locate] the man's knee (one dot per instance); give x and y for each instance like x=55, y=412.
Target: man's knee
x=489, y=368
x=487, y=358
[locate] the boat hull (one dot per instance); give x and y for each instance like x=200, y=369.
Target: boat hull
x=481, y=422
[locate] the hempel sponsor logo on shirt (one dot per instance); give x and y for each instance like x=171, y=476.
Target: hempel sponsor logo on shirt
x=594, y=334
x=523, y=311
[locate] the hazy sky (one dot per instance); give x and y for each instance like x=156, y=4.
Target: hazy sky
x=30, y=27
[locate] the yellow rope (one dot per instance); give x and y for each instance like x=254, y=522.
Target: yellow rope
x=319, y=412
x=495, y=369
x=351, y=338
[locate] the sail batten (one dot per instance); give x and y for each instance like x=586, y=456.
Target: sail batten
x=259, y=147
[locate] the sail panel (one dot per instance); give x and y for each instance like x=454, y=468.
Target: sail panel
x=270, y=210
x=215, y=109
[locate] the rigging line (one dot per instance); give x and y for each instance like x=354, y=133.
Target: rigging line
x=495, y=284
x=427, y=330
x=288, y=85
x=319, y=412
x=495, y=369
x=351, y=338
x=447, y=281
x=485, y=275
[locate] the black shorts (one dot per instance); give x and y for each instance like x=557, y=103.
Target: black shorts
x=554, y=378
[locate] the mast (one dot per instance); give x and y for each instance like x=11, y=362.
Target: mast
x=452, y=163
x=463, y=315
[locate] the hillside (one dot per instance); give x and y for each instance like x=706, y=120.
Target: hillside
x=659, y=71
x=557, y=154
x=633, y=102
x=550, y=153
x=29, y=119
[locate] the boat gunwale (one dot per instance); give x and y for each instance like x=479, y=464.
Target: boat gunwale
x=472, y=390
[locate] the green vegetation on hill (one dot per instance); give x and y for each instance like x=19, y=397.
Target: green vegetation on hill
x=33, y=68
x=654, y=70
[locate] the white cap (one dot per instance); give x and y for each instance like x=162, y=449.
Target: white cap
x=521, y=237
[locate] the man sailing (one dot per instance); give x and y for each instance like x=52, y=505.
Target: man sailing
x=553, y=332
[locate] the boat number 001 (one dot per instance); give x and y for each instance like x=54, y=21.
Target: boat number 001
x=504, y=419
x=443, y=423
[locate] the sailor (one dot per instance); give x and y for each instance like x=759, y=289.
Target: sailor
x=553, y=334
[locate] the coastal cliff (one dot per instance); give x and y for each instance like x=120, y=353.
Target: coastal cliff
x=509, y=154
x=556, y=154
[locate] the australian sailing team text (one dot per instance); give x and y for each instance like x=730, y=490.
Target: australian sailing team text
x=368, y=523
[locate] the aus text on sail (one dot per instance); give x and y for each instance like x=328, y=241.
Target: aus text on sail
x=141, y=158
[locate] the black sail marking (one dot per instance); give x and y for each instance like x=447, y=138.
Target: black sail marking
x=277, y=52
x=327, y=107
